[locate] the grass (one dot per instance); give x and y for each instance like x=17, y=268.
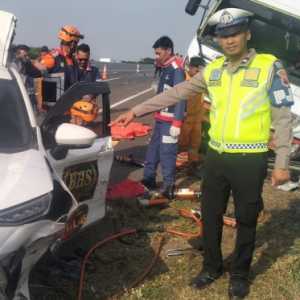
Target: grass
x=275, y=270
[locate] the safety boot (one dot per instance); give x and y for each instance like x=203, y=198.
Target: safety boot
x=238, y=288
x=150, y=184
x=204, y=279
x=169, y=192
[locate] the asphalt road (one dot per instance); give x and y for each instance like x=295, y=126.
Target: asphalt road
x=129, y=88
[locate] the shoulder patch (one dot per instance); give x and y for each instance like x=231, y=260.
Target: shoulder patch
x=278, y=64
x=280, y=92
x=280, y=71
x=283, y=77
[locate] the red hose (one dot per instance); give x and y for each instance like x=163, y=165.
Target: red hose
x=97, y=245
x=183, y=212
x=141, y=277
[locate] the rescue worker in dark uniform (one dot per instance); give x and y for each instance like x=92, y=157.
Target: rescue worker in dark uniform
x=84, y=71
x=163, y=145
x=248, y=91
x=84, y=111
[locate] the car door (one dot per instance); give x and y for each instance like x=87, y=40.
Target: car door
x=84, y=170
x=7, y=25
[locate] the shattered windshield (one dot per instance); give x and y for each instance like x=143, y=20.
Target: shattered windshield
x=272, y=32
x=15, y=129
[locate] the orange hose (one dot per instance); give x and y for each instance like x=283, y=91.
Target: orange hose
x=154, y=202
x=231, y=222
x=188, y=235
x=183, y=212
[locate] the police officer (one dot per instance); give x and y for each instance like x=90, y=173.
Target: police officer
x=247, y=91
x=163, y=145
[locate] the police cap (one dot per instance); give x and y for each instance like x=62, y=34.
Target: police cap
x=230, y=21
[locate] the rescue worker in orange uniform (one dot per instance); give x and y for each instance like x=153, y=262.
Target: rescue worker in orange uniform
x=64, y=60
x=190, y=137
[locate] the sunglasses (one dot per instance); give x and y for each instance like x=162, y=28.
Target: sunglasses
x=82, y=59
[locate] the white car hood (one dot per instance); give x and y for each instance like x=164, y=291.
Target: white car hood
x=24, y=176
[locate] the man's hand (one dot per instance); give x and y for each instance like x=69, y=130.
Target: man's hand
x=123, y=119
x=280, y=176
x=174, y=131
x=40, y=108
x=38, y=65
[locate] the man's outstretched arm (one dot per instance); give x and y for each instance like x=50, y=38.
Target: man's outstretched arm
x=170, y=97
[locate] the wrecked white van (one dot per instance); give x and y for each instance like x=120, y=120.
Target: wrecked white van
x=275, y=29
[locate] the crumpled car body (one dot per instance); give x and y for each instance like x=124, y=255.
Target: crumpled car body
x=53, y=176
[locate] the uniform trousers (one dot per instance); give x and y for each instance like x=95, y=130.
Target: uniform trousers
x=242, y=175
x=161, y=149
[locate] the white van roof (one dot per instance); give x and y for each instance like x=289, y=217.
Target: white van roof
x=289, y=7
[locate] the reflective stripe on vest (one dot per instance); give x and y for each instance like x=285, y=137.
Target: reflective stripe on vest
x=241, y=109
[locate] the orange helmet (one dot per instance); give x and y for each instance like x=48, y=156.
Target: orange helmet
x=69, y=33
x=86, y=110
x=48, y=60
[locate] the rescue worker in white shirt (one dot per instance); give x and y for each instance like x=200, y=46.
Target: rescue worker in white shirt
x=248, y=91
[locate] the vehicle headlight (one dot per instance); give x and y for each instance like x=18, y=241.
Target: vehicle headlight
x=27, y=212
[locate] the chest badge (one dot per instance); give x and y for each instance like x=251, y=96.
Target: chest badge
x=215, y=77
x=251, y=77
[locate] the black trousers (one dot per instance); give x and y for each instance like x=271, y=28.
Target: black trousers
x=242, y=175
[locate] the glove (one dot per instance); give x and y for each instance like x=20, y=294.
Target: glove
x=154, y=86
x=174, y=131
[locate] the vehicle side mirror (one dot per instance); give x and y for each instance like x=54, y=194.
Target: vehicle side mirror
x=192, y=7
x=74, y=136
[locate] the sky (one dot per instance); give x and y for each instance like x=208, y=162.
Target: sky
x=119, y=29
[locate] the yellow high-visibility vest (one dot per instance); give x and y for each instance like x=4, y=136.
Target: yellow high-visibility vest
x=240, y=114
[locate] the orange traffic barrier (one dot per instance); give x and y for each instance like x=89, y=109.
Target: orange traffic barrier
x=104, y=75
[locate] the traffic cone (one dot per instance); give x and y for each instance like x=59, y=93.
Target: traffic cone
x=104, y=73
